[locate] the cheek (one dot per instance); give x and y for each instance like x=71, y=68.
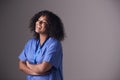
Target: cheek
x=36, y=24
x=43, y=27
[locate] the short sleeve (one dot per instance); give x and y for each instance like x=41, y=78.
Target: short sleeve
x=22, y=55
x=53, y=55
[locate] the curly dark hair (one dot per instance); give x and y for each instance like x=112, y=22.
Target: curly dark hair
x=54, y=27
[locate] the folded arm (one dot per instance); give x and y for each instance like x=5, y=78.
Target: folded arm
x=28, y=69
x=23, y=67
x=42, y=68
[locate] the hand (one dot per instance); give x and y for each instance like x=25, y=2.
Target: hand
x=29, y=65
x=36, y=68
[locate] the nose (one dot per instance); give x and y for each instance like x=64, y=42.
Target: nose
x=38, y=24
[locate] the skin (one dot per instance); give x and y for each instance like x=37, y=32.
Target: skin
x=44, y=67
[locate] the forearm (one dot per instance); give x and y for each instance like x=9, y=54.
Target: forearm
x=25, y=69
x=37, y=68
x=42, y=68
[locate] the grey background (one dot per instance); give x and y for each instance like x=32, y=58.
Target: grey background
x=91, y=48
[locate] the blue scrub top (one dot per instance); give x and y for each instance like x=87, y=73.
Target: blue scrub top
x=50, y=51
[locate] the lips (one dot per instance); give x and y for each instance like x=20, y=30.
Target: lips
x=38, y=27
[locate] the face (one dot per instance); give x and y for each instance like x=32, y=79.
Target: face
x=41, y=24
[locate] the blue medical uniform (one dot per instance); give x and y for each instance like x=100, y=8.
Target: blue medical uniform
x=50, y=51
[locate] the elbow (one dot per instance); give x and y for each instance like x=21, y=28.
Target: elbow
x=42, y=70
x=20, y=68
x=20, y=65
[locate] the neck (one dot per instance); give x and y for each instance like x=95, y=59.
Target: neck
x=43, y=37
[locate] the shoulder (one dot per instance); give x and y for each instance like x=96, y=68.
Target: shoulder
x=31, y=41
x=54, y=42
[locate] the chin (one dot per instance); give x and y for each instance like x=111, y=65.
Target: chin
x=37, y=31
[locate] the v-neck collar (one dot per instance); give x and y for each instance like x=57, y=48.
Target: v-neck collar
x=43, y=42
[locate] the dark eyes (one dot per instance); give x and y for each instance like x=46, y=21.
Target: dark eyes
x=42, y=22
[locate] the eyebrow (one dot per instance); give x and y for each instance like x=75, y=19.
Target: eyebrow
x=42, y=20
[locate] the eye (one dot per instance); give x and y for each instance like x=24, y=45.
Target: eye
x=42, y=22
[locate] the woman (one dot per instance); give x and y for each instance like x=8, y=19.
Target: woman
x=41, y=58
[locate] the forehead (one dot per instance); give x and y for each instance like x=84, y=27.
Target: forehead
x=42, y=18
